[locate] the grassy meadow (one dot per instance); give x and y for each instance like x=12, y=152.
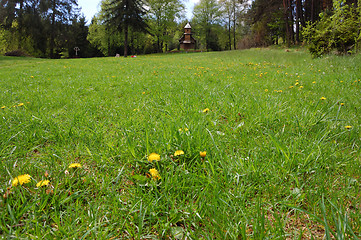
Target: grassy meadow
x=254, y=144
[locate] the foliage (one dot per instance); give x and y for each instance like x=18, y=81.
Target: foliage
x=52, y=28
x=102, y=37
x=162, y=20
x=206, y=18
x=108, y=39
x=3, y=40
x=79, y=31
x=231, y=11
x=266, y=23
x=17, y=53
x=339, y=30
x=44, y=28
x=276, y=28
x=123, y=15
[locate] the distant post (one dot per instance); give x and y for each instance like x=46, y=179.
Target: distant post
x=76, y=49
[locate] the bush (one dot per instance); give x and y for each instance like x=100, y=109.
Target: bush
x=17, y=53
x=339, y=30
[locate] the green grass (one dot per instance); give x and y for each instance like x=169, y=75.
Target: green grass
x=280, y=163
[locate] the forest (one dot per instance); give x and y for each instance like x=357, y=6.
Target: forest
x=54, y=28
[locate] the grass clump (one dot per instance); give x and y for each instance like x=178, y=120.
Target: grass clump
x=232, y=145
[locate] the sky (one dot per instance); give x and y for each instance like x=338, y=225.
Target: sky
x=91, y=7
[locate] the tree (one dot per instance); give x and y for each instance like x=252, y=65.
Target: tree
x=337, y=30
x=13, y=11
x=79, y=32
x=60, y=12
x=162, y=20
x=103, y=37
x=97, y=35
x=206, y=16
x=288, y=19
x=231, y=10
x=35, y=31
x=266, y=21
x=125, y=14
x=7, y=13
x=227, y=10
x=22, y=19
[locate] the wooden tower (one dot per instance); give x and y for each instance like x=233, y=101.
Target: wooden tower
x=187, y=41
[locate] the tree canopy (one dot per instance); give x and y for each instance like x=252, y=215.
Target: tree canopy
x=125, y=14
x=53, y=28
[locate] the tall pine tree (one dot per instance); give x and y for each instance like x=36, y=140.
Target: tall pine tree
x=124, y=14
x=60, y=12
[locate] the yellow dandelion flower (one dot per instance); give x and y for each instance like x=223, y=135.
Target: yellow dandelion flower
x=143, y=92
x=22, y=179
x=323, y=98
x=266, y=90
x=153, y=157
x=203, y=154
x=342, y=104
x=43, y=183
x=300, y=87
x=155, y=174
x=279, y=91
x=206, y=110
x=3, y=107
x=178, y=153
x=314, y=82
x=185, y=129
x=75, y=165
x=348, y=127
x=297, y=83
x=20, y=104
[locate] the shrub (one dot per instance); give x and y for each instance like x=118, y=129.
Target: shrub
x=339, y=30
x=17, y=53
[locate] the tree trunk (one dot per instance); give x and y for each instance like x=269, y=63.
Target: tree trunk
x=126, y=41
x=288, y=31
x=302, y=14
x=52, y=30
x=298, y=11
x=208, y=33
x=234, y=35
x=20, y=37
x=290, y=17
x=229, y=34
x=234, y=25
x=165, y=34
x=312, y=11
x=158, y=43
x=131, y=45
x=108, y=40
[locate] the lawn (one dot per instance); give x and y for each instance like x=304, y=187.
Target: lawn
x=254, y=144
